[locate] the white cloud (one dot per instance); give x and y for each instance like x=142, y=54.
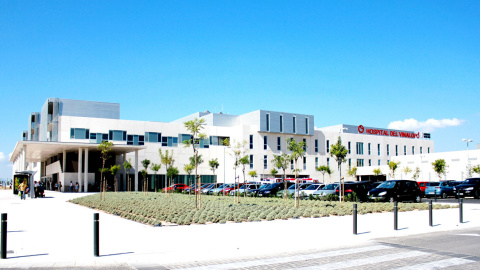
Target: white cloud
x=2, y=157
x=427, y=126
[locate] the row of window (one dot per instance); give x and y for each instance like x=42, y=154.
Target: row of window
x=359, y=149
x=294, y=123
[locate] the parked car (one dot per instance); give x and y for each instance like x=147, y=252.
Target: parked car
x=326, y=190
x=443, y=190
x=176, y=187
x=310, y=190
x=396, y=190
x=254, y=192
x=290, y=188
x=243, y=188
x=206, y=189
x=218, y=189
x=469, y=188
x=270, y=190
x=228, y=190
x=423, y=186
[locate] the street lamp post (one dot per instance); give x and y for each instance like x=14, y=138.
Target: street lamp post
x=468, y=158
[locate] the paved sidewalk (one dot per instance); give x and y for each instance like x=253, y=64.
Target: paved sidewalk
x=50, y=232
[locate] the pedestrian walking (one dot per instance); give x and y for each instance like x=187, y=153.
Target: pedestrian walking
x=71, y=186
x=76, y=186
x=21, y=188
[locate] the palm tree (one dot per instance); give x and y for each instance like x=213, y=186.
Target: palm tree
x=145, y=164
x=128, y=166
x=188, y=168
x=213, y=163
x=253, y=174
x=105, y=149
x=298, y=151
x=113, y=170
x=243, y=161
x=168, y=161
x=323, y=170
x=194, y=127
x=282, y=161
x=156, y=168
x=339, y=153
x=171, y=173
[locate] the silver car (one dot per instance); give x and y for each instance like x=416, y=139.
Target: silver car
x=326, y=190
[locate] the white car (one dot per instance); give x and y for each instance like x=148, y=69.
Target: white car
x=310, y=190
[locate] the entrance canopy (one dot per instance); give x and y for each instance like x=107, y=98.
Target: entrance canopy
x=36, y=151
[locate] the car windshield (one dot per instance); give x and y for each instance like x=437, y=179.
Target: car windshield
x=470, y=181
x=312, y=187
x=387, y=185
x=264, y=186
x=330, y=186
x=292, y=187
x=433, y=184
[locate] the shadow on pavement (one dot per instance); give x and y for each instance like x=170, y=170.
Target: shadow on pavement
x=115, y=254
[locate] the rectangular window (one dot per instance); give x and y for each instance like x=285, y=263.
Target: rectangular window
x=264, y=142
x=349, y=163
x=388, y=150
x=328, y=162
x=359, y=148
x=304, y=144
x=360, y=162
x=279, y=144
x=428, y=150
x=316, y=146
x=316, y=162
x=379, y=162
x=117, y=135
x=306, y=125
x=421, y=150
x=281, y=123
x=79, y=133
x=369, y=162
x=304, y=163
x=294, y=124
x=405, y=150
x=378, y=146
x=396, y=150
x=184, y=137
x=153, y=137
x=251, y=162
x=251, y=141
x=349, y=147
x=268, y=122
x=291, y=165
x=265, y=162
x=135, y=139
x=369, y=149
x=413, y=150
x=328, y=146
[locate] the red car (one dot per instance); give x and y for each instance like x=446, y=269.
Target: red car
x=176, y=187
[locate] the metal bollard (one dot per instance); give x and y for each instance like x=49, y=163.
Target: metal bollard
x=4, y=236
x=430, y=213
x=460, y=207
x=96, y=235
x=355, y=218
x=395, y=215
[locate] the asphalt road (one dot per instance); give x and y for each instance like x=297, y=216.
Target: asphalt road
x=452, y=200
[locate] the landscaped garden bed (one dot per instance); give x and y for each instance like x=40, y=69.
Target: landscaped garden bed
x=158, y=208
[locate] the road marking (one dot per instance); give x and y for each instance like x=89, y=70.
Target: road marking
x=469, y=234
x=365, y=261
x=253, y=263
x=437, y=264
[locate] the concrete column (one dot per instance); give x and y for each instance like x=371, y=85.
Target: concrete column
x=124, y=181
x=136, y=170
x=85, y=175
x=24, y=157
x=64, y=161
x=80, y=157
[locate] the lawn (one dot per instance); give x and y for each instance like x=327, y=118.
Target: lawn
x=158, y=208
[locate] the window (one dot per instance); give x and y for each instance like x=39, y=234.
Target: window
x=328, y=146
x=153, y=137
x=217, y=140
x=369, y=148
x=379, y=162
x=117, y=135
x=251, y=141
x=264, y=142
x=281, y=123
x=291, y=165
x=413, y=150
x=79, y=133
x=349, y=147
x=306, y=125
x=378, y=146
x=428, y=150
x=304, y=163
x=421, y=150
x=265, y=162
x=369, y=162
x=316, y=146
x=396, y=150
x=388, y=150
x=251, y=162
x=185, y=137
x=98, y=137
x=316, y=162
x=294, y=124
x=349, y=163
x=405, y=150
x=328, y=162
x=304, y=144
x=135, y=140
x=279, y=144
x=268, y=122
x=168, y=141
x=360, y=162
x=359, y=148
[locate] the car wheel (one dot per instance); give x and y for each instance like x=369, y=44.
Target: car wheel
x=391, y=199
x=418, y=199
x=444, y=195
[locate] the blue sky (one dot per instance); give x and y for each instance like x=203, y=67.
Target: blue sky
x=375, y=63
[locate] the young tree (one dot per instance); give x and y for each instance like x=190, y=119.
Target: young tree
x=243, y=161
x=476, y=169
x=339, y=153
x=213, y=163
x=282, y=161
x=440, y=167
x=298, y=151
x=168, y=161
x=155, y=169
x=273, y=172
x=238, y=150
x=194, y=127
x=323, y=170
x=393, y=167
x=128, y=166
x=253, y=174
x=406, y=170
x=171, y=173
x=377, y=172
x=113, y=170
x=105, y=149
x=145, y=164
x=416, y=174
x=188, y=168
x=353, y=172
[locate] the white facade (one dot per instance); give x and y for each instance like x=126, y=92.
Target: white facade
x=265, y=134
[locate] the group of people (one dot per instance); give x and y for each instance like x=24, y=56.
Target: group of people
x=76, y=186
x=23, y=189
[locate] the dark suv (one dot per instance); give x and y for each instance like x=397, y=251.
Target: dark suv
x=396, y=190
x=469, y=187
x=270, y=190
